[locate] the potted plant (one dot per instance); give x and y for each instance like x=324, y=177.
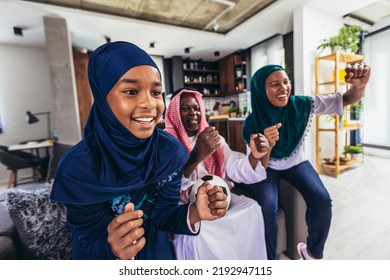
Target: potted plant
x=348, y=39
x=355, y=110
x=353, y=150
x=234, y=112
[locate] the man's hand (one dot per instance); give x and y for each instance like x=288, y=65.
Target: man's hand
x=125, y=233
x=206, y=143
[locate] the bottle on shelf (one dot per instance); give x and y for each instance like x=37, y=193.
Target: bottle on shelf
x=202, y=75
x=240, y=71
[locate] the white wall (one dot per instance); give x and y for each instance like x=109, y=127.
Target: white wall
x=310, y=27
x=24, y=85
x=160, y=64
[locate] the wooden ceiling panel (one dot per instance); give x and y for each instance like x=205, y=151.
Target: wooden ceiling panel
x=211, y=15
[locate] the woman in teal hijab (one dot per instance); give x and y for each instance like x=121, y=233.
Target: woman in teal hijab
x=285, y=119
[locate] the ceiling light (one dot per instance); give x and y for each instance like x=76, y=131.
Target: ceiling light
x=215, y=27
x=18, y=31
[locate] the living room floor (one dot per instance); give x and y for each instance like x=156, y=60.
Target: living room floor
x=360, y=227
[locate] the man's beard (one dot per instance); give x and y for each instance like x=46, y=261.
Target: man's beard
x=190, y=127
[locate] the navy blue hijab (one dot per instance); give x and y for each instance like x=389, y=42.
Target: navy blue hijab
x=111, y=161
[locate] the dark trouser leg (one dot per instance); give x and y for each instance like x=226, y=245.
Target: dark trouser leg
x=319, y=205
x=267, y=196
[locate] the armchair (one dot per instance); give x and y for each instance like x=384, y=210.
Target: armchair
x=17, y=160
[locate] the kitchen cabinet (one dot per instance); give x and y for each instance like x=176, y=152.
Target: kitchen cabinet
x=221, y=125
x=226, y=70
x=231, y=130
x=233, y=72
x=236, y=142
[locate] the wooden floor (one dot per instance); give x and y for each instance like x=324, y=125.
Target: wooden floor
x=361, y=212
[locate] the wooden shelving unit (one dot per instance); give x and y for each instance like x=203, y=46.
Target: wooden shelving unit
x=324, y=86
x=240, y=75
x=233, y=71
x=202, y=75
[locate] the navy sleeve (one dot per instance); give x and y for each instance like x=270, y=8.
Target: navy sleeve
x=89, y=223
x=168, y=215
x=89, y=231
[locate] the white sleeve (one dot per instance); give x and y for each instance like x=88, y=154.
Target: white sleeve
x=195, y=227
x=328, y=104
x=239, y=169
x=185, y=189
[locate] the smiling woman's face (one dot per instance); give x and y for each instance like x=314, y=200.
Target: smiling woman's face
x=278, y=88
x=137, y=100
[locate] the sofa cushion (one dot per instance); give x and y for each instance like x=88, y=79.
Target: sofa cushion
x=8, y=235
x=7, y=227
x=40, y=224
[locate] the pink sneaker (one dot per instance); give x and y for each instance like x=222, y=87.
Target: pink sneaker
x=302, y=251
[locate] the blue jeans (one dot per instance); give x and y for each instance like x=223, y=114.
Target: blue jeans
x=318, y=202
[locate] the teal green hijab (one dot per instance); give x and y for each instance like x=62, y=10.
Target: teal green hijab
x=294, y=116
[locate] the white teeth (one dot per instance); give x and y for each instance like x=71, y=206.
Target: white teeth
x=281, y=96
x=144, y=119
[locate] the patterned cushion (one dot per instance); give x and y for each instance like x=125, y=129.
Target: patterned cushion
x=41, y=224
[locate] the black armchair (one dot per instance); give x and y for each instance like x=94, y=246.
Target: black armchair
x=16, y=160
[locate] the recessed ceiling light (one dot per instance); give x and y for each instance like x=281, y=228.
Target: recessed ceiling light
x=18, y=31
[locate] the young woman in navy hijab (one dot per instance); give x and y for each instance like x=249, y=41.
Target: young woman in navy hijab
x=121, y=184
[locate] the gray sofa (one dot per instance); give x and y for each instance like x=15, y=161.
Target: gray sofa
x=9, y=245
x=291, y=219
x=51, y=236
x=292, y=222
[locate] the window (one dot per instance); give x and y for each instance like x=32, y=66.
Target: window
x=376, y=104
x=268, y=52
